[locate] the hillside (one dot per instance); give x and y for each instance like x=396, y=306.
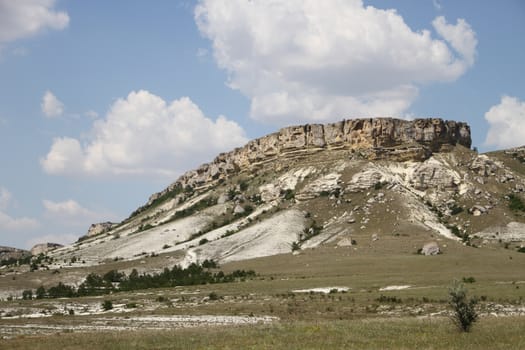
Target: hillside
x=380, y=182
x=337, y=221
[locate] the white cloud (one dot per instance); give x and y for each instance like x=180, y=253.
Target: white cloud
x=22, y=19
x=309, y=60
x=91, y=114
x=16, y=224
x=460, y=36
x=51, y=105
x=144, y=135
x=506, y=121
x=70, y=213
x=52, y=238
x=7, y=222
x=5, y=198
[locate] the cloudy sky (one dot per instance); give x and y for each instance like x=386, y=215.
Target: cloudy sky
x=104, y=102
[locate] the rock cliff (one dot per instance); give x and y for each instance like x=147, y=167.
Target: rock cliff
x=380, y=137
x=43, y=248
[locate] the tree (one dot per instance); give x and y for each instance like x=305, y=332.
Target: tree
x=40, y=292
x=27, y=294
x=464, y=312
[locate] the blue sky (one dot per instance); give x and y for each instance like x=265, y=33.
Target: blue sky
x=103, y=103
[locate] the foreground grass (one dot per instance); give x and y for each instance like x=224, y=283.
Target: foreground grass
x=394, y=333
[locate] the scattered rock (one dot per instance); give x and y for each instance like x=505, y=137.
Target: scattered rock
x=269, y=192
x=238, y=209
x=345, y=242
x=223, y=198
x=375, y=237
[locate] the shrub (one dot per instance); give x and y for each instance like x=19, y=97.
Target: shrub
x=515, y=203
x=379, y=185
x=203, y=241
x=521, y=250
x=469, y=279
x=295, y=246
x=210, y=264
x=464, y=314
x=288, y=194
x=455, y=210
x=27, y=294
x=107, y=305
x=40, y=292
x=213, y=296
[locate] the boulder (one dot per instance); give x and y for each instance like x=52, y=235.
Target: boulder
x=238, y=209
x=223, y=198
x=430, y=248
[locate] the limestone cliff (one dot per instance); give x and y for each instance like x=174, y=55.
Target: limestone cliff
x=380, y=137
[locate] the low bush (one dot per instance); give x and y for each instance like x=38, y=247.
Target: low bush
x=107, y=305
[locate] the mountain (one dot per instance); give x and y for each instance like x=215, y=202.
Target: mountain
x=382, y=184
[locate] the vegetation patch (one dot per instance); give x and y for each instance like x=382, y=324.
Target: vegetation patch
x=515, y=203
x=115, y=281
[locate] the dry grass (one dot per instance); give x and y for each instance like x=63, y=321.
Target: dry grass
x=405, y=333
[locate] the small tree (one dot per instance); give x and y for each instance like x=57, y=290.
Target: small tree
x=27, y=294
x=464, y=313
x=40, y=292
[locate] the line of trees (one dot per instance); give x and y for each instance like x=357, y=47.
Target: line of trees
x=115, y=281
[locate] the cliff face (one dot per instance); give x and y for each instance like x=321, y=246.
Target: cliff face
x=381, y=136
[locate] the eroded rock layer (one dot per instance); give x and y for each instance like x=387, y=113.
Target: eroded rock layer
x=395, y=139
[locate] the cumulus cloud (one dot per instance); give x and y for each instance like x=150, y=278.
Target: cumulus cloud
x=22, y=19
x=144, y=135
x=70, y=212
x=460, y=36
x=506, y=121
x=51, y=106
x=309, y=60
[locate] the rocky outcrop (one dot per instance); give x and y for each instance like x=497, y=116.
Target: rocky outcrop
x=101, y=227
x=7, y=253
x=44, y=248
x=380, y=138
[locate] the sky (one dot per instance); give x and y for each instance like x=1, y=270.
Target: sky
x=103, y=103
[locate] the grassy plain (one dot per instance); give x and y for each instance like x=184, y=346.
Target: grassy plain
x=375, y=333
x=364, y=317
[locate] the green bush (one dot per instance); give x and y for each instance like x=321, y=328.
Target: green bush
x=469, y=279
x=27, y=294
x=107, y=305
x=464, y=314
x=296, y=246
x=515, y=203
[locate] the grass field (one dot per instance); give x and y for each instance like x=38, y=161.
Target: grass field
x=376, y=333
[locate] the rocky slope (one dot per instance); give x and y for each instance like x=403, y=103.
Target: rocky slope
x=7, y=253
x=359, y=184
